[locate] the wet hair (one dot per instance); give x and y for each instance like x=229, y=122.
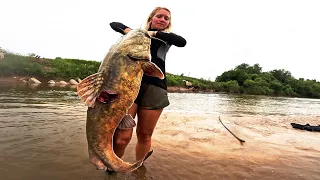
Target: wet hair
x=153, y=13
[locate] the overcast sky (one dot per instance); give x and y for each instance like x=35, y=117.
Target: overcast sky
x=220, y=34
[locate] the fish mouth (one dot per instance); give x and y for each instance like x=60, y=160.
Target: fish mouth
x=138, y=58
x=107, y=97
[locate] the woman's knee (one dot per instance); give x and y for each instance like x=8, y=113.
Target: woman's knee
x=122, y=137
x=144, y=137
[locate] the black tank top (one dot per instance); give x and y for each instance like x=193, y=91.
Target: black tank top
x=159, y=51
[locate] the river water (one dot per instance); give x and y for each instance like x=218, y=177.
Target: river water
x=42, y=136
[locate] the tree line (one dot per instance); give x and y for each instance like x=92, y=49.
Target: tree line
x=244, y=78
x=280, y=82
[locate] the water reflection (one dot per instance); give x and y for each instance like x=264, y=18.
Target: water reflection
x=240, y=105
x=140, y=174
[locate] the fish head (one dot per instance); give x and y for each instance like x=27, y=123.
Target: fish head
x=127, y=59
x=136, y=45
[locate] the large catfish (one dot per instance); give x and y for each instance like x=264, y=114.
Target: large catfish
x=110, y=92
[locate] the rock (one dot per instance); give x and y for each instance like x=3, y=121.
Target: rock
x=63, y=82
x=51, y=82
x=24, y=80
x=34, y=80
x=73, y=82
x=188, y=84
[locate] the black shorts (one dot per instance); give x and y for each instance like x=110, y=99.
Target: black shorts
x=152, y=97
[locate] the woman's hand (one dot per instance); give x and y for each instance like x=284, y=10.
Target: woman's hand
x=126, y=30
x=152, y=33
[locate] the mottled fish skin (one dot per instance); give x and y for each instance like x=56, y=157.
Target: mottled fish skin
x=103, y=119
x=120, y=72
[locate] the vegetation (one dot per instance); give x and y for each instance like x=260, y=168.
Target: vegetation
x=14, y=64
x=243, y=78
x=251, y=80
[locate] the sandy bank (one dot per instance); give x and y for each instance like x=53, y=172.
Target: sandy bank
x=265, y=136
x=197, y=146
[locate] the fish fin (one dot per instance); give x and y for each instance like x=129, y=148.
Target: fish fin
x=96, y=161
x=126, y=169
x=88, y=89
x=127, y=122
x=148, y=155
x=151, y=69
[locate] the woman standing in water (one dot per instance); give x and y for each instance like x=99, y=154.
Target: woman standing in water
x=152, y=97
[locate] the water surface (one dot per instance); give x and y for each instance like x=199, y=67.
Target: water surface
x=42, y=136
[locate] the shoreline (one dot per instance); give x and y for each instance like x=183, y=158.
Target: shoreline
x=171, y=89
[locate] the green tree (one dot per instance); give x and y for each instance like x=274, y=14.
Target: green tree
x=315, y=90
x=232, y=86
x=277, y=87
x=288, y=91
x=253, y=87
x=282, y=75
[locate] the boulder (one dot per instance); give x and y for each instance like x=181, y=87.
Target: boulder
x=63, y=82
x=51, y=82
x=24, y=80
x=34, y=81
x=73, y=82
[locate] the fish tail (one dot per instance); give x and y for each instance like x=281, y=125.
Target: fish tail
x=131, y=168
x=124, y=167
x=121, y=166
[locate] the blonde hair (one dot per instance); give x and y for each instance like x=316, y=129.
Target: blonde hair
x=155, y=10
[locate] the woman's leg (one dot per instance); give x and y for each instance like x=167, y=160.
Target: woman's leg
x=147, y=120
x=122, y=137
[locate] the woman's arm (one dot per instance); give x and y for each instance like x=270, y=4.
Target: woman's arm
x=119, y=27
x=171, y=38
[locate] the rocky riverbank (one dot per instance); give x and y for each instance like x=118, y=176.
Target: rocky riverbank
x=60, y=81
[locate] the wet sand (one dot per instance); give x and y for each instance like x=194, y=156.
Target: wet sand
x=186, y=146
x=197, y=146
